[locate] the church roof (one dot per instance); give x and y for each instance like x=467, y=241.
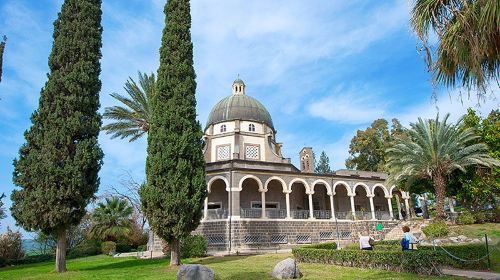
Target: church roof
x=239, y=107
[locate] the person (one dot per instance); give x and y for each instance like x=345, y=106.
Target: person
x=407, y=239
x=366, y=242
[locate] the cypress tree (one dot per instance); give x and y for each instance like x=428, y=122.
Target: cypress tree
x=176, y=188
x=2, y=48
x=323, y=166
x=57, y=169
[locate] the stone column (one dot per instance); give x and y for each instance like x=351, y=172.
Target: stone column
x=353, y=209
x=389, y=204
x=205, y=208
x=287, y=196
x=372, y=208
x=399, y=207
x=407, y=207
x=263, y=202
x=235, y=203
x=311, y=210
x=332, y=207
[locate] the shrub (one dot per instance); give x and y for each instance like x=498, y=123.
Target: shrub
x=86, y=248
x=11, y=245
x=466, y=218
x=108, y=247
x=142, y=248
x=123, y=248
x=388, y=242
x=421, y=262
x=32, y=259
x=325, y=245
x=480, y=217
x=3, y=262
x=467, y=252
x=436, y=229
x=193, y=246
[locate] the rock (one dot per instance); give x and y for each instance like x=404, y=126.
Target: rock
x=462, y=237
x=286, y=269
x=476, y=241
x=483, y=239
x=195, y=272
x=453, y=239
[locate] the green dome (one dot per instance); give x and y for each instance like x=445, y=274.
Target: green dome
x=239, y=107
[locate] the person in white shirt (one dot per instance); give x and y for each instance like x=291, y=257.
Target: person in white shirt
x=366, y=242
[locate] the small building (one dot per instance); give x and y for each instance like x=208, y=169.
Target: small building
x=258, y=198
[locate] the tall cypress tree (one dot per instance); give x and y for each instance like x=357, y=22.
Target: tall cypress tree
x=2, y=48
x=57, y=169
x=175, y=190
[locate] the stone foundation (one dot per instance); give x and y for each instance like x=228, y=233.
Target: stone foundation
x=251, y=234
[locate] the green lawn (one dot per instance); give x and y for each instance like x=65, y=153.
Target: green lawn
x=477, y=231
x=241, y=267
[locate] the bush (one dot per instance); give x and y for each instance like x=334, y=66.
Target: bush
x=142, y=248
x=436, y=229
x=466, y=218
x=421, y=262
x=32, y=259
x=108, y=247
x=480, y=217
x=325, y=245
x=123, y=248
x=467, y=252
x=194, y=246
x=84, y=249
x=11, y=245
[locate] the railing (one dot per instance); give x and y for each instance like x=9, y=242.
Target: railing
x=382, y=215
x=322, y=214
x=363, y=215
x=276, y=213
x=214, y=214
x=250, y=213
x=343, y=215
x=299, y=214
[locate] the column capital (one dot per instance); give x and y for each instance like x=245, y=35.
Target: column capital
x=351, y=194
x=388, y=196
x=370, y=195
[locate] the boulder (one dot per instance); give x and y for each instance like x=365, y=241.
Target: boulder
x=476, y=241
x=462, y=238
x=195, y=272
x=286, y=269
x=453, y=239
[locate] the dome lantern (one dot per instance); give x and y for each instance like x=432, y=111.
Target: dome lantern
x=238, y=86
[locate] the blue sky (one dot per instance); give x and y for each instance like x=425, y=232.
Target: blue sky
x=323, y=70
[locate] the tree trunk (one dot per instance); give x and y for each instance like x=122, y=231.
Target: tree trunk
x=175, y=253
x=439, y=185
x=61, y=252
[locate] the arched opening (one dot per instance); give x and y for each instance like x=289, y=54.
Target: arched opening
x=362, y=204
x=321, y=202
x=342, y=203
x=275, y=200
x=397, y=202
x=299, y=201
x=250, y=199
x=217, y=200
x=380, y=204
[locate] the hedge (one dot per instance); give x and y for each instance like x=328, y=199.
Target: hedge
x=421, y=262
x=325, y=245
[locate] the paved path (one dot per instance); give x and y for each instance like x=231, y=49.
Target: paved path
x=472, y=274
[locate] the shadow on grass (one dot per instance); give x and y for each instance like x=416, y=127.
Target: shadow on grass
x=125, y=264
x=216, y=260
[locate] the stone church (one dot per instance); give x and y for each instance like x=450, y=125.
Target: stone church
x=258, y=199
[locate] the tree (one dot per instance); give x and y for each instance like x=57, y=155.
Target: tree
x=111, y=219
x=323, y=165
x=2, y=209
x=468, y=51
x=57, y=169
x=132, y=120
x=176, y=188
x=434, y=150
x=2, y=48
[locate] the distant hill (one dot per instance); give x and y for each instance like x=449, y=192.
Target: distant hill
x=29, y=246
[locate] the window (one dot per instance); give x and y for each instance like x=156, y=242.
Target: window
x=223, y=152
x=251, y=127
x=223, y=128
x=214, y=205
x=269, y=205
x=252, y=152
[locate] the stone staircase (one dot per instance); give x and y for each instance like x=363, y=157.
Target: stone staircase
x=415, y=227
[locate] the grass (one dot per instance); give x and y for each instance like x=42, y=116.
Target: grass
x=477, y=230
x=233, y=267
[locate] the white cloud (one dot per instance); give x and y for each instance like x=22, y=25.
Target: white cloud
x=350, y=106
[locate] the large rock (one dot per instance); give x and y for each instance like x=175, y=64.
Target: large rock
x=286, y=269
x=195, y=272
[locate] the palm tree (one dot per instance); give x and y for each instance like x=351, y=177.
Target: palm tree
x=468, y=52
x=131, y=121
x=112, y=219
x=433, y=150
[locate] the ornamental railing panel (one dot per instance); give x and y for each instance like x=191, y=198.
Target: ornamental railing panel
x=279, y=239
x=301, y=239
x=216, y=239
x=276, y=213
x=250, y=213
x=322, y=214
x=299, y=214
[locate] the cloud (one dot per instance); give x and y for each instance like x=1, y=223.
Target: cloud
x=350, y=106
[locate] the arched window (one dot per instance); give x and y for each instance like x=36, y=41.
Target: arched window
x=223, y=128
x=251, y=127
